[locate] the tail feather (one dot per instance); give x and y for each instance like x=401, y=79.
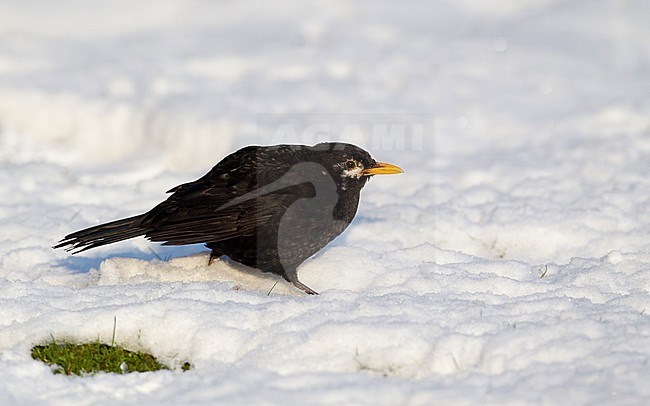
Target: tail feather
x=102, y=234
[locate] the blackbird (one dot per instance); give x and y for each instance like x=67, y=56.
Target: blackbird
x=267, y=207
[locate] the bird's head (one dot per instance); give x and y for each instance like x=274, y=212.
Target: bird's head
x=351, y=166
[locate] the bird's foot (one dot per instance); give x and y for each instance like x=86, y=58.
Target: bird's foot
x=303, y=287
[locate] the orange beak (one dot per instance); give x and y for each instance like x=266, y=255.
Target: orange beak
x=381, y=168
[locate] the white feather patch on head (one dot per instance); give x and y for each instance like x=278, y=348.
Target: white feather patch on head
x=353, y=173
x=356, y=172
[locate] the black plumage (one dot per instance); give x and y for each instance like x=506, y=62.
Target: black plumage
x=268, y=207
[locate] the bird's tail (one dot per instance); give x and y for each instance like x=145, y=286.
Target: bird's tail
x=102, y=234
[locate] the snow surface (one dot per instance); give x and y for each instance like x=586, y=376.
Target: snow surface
x=509, y=265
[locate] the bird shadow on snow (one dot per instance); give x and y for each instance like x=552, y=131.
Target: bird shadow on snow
x=244, y=277
x=80, y=265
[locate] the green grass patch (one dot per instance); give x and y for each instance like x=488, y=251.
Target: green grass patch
x=89, y=358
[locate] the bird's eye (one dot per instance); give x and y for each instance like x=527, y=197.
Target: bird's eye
x=350, y=164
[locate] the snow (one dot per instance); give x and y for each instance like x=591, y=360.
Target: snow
x=510, y=264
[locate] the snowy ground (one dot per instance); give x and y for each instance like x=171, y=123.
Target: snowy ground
x=509, y=265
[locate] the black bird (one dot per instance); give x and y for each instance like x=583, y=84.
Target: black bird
x=268, y=207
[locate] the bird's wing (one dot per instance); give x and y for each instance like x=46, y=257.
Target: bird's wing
x=230, y=201
x=192, y=222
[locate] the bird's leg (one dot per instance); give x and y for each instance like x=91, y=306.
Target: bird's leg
x=303, y=287
x=292, y=276
x=213, y=256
